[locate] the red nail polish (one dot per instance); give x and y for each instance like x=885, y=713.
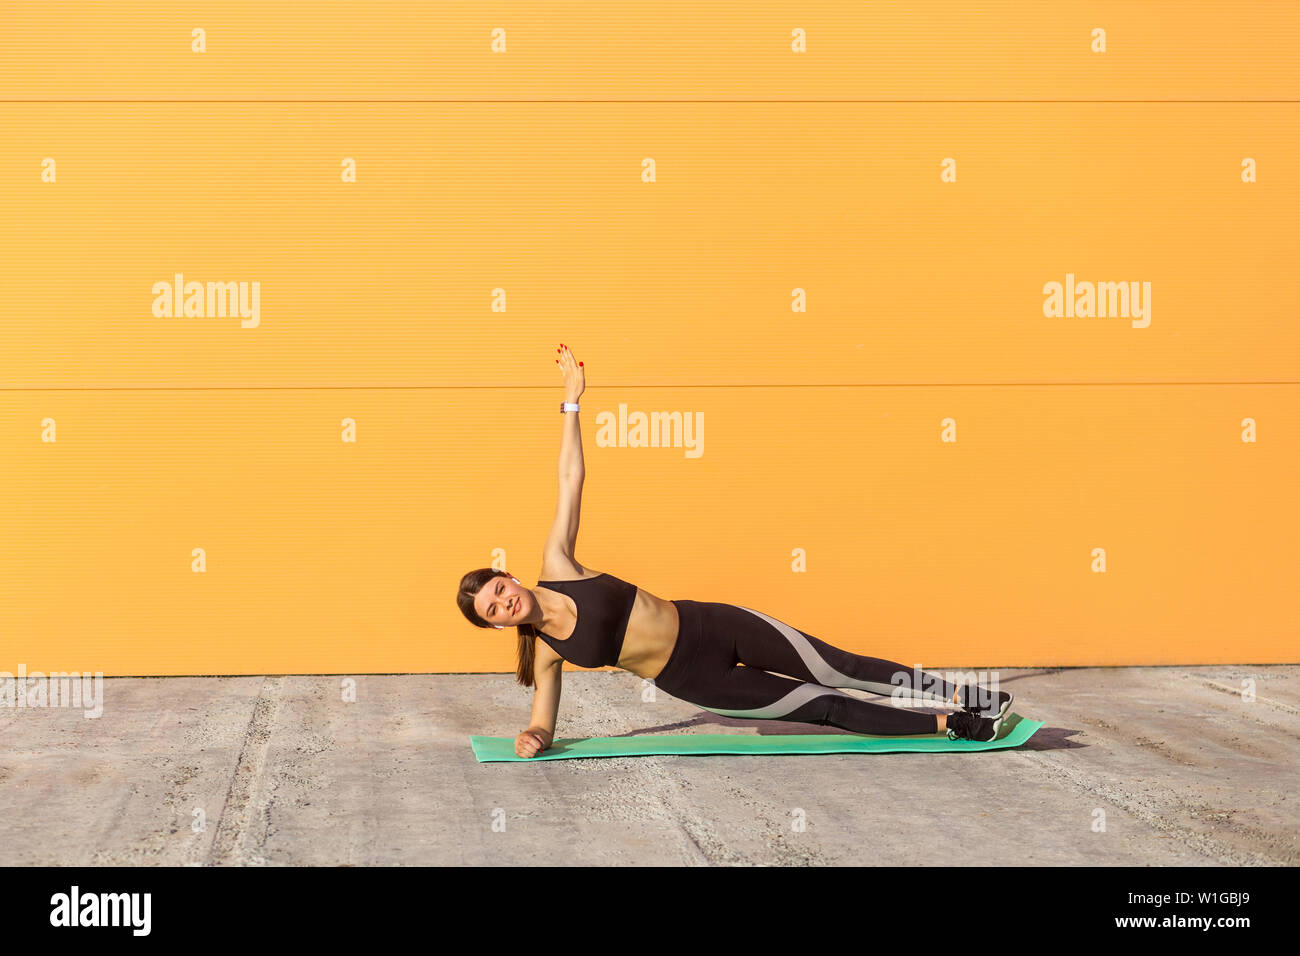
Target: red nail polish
x=579, y=363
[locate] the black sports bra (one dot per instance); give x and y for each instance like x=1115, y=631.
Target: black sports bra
x=604, y=607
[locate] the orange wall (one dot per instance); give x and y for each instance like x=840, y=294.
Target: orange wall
x=907, y=459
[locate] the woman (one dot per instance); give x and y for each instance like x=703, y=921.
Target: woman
x=691, y=649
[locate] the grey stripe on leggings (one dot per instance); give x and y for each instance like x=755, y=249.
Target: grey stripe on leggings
x=790, y=702
x=827, y=675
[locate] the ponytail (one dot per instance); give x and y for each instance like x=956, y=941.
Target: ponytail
x=527, y=653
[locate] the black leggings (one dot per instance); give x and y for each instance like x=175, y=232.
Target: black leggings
x=713, y=638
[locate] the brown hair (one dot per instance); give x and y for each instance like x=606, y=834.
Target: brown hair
x=470, y=585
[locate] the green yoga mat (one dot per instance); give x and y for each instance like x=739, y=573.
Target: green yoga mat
x=1015, y=731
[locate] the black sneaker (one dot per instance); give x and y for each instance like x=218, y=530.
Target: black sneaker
x=963, y=725
x=999, y=706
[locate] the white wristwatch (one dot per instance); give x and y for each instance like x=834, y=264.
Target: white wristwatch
x=568, y=407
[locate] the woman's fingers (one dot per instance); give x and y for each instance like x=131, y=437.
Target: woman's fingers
x=566, y=360
x=571, y=369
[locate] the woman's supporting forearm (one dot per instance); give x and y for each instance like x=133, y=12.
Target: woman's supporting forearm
x=571, y=463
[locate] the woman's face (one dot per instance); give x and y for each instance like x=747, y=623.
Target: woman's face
x=504, y=601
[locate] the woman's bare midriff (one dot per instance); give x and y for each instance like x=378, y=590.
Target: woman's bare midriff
x=651, y=627
x=651, y=635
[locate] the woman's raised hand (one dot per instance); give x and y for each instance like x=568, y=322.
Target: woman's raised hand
x=575, y=380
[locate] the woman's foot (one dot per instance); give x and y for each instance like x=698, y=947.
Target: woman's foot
x=964, y=725
x=998, y=705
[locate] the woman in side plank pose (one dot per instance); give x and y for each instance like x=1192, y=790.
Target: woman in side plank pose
x=691, y=649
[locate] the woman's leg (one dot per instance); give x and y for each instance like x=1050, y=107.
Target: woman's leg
x=703, y=671
x=763, y=641
x=752, y=692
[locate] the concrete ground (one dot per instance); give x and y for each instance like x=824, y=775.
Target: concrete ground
x=1133, y=766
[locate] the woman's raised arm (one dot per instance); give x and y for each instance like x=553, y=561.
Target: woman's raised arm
x=575, y=383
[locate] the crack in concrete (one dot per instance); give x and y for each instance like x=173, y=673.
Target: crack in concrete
x=1237, y=692
x=233, y=843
